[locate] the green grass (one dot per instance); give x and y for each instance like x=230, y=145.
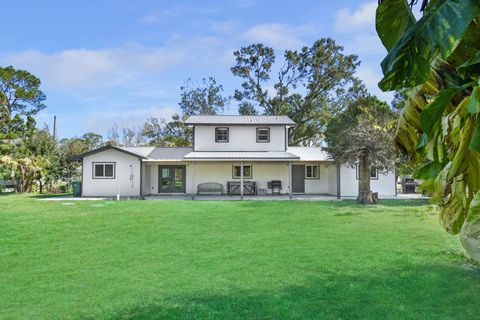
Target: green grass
x=227, y=260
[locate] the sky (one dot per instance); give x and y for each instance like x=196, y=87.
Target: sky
x=103, y=62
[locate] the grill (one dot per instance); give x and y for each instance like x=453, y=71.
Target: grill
x=408, y=185
x=276, y=186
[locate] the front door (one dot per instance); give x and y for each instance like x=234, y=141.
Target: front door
x=298, y=178
x=171, y=179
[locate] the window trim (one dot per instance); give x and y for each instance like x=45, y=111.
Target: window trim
x=318, y=172
x=245, y=165
x=216, y=134
x=104, y=163
x=268, y=138
x=371, y=178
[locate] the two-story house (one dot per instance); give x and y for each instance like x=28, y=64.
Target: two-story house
x=230, y=155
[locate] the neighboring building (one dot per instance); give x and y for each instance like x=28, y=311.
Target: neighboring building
x=223, y=148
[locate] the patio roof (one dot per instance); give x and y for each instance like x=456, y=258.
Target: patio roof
x=241, y=155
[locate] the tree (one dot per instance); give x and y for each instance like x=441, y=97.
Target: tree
x=20, y=99
x=24, y=170
x=438, y=57
x=20, y=92
x=312, y=85
x=363, y=135
x=203, y=98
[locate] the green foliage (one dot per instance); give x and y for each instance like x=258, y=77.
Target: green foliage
x=20, y=92
x=205, y=98
x=363, y=135
x=438, y=57
x=363, y=129
x=314, y=84
x=438, y=33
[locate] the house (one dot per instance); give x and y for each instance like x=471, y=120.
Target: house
x=244, y=155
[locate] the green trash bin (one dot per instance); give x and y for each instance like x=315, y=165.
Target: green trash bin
x=77, y=188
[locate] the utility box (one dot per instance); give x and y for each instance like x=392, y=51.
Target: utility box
x=77, y=188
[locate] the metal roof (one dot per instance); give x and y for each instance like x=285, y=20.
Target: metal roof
x=240, y=155
x=141, y=151
x=237, y=119
x=160, y=153
x=169, y=153
x=310, y=153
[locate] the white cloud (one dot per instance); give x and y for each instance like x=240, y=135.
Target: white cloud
x=371, y=75
x=347, y=20
x=102, y=121
x=87, y=71
x=279, y=35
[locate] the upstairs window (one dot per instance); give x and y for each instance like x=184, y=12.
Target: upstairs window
x=312, y=171
x=104, y=170
x=263, y=135
x=221, y=134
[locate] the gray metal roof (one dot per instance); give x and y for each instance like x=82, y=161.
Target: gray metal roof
x=141, y=151
x=169, y=153
x=187, y=153
x=236, y=119
x=160, y=153
x=310, y=153
x=239, y=155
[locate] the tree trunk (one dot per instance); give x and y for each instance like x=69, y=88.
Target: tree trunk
x=364, y=192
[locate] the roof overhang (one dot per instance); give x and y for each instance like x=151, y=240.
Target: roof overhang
x=241, y=156
x=105, y=148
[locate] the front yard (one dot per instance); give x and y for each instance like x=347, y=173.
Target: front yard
x=196, y=259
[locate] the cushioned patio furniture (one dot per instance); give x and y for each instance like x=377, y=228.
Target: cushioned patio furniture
x=210, y=188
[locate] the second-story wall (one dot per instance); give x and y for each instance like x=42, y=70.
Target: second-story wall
x=241, y=138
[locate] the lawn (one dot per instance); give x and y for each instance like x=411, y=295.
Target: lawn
x=227, y=260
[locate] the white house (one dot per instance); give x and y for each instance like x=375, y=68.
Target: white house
x=245, y=155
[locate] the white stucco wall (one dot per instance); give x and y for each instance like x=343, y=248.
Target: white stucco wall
x=384, y=185
x=322, y=185
x=241, y=138
x=332, y=178
x=151, y=173
x=263, y=172
x=110, y=187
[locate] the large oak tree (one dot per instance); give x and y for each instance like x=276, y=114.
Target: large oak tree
x=311, y=85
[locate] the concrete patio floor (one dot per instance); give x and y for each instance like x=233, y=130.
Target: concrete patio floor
x=310, y=197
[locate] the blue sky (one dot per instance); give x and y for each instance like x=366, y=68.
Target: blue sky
x=116, y=61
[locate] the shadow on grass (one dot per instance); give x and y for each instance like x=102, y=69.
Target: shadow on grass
x=424, y=292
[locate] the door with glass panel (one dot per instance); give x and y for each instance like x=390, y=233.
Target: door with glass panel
x=171, y=179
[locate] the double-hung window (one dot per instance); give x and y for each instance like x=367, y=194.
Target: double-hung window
x=221, y=134
x=373, y=173
x=247, y=172
x=104, y=170
x=312, y=171
x=263, y=135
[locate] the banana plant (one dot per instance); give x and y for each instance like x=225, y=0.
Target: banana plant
x=438, y=56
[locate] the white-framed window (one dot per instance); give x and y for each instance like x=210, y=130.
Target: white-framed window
x=104, y=170
x=221, y=134
x=247, y=171
x=312, y=171
x=263, y=135
x=373, y=173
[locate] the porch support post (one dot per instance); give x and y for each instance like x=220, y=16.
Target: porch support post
x=193, y=180
x=338, y=181
x=142, y=172
x=290, y=179
x=241, y=180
